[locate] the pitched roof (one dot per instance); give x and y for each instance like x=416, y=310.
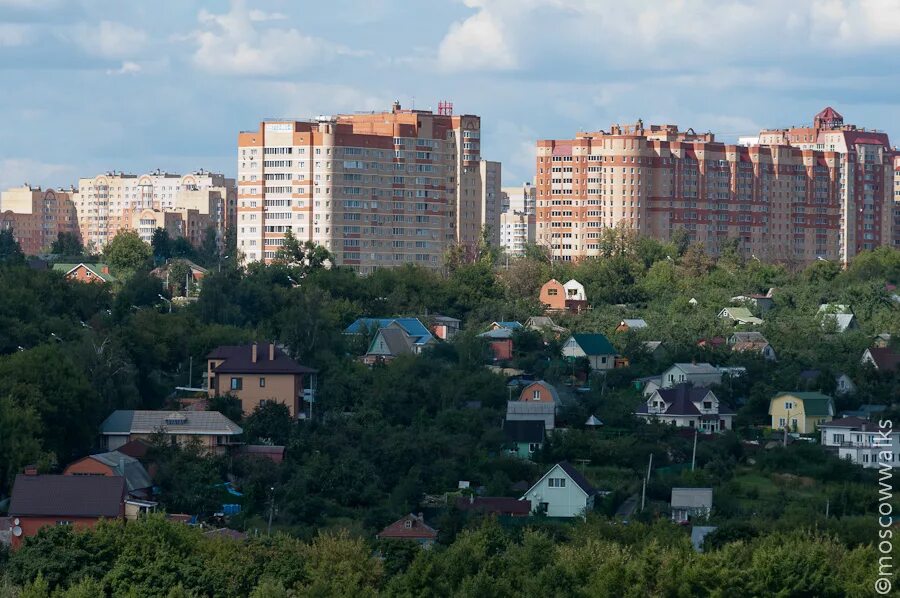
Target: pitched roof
x=742, y=346
x=634, y=323
x=740, y=314
x=553, y=392
x=845, y=422
x=524, y=431
x=136, y=476
x=181, y=422
x=397, y=340
x=136, y=448
x=97, y=269
x=541, y=322
x=697, y=368
x=652, y=346
x=692, y=498
x=576, y=476
x=885, y=358
x=593, y=421
x=747, y=337
x=239, y=360
x=834, y=308
x=499, y=505
x=67, y=496
x=814, y=403
x=510, y=325
x=413, y=327
x=530, y=408
x=498, y=334
x=681, y=400
x=594, y=344
x=418, y=529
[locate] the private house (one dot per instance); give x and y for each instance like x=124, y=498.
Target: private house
x=257, y=373
x=413, y=327
x=739, y=315
x=196, y=272
x=762, y=303
x=215, y=432
x=540, y=390
x=498, y=506
x=628, y=325
x=882, y=340
x=556, y=296
x=114, y=463
x=540, y=411
x=81, y=501
x=686, y=406
x=595, y=347
x=844, y=385
x=751, y=342
x=506, y=326
x=696, y=374
x=800, y=411
x=500, y=342
x=389, y=343
x=443, y=327
x=648, y=385
x=85, y=272
x=837, y=317
x=523, y=437
x=545, y=325
x=412, y=528
x=862, y=442
x=562, y=492
x=653, y=348
x=883, y=359
x=690, y=504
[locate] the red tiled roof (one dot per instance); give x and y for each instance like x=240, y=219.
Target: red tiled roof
x=417, y=530
x=829, y=113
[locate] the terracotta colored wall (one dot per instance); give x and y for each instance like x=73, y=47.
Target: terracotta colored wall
x=31, y=525
x=88, y=466
x=502, y=349
x=557, y=301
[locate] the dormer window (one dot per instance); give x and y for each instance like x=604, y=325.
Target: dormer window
x=707, y=404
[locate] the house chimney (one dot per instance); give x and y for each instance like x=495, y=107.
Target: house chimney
x=253, y=353
x=271, y=351
x=31, y=470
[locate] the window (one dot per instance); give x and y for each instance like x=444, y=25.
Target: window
x=552, y=292
x=839, y=439
x=556, y=482
x=707, y=404
x=237, y=384
x=407, y=524
x=536, y=395
x=63, y=522
x=781, y=422
x=788, y=405
x=533, y=446
x=794, y=422
x=262, y=382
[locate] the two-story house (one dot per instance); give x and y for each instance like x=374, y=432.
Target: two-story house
x=215, y=432
x=257, y=373
x=686, y=406
x=862, y=442
x=696, y=374
x=562, y=492
x=800, y=411
x=595, y=347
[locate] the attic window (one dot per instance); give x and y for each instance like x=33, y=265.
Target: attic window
x=788, y=405
x=707, y=404
x=176, y=419
x=552, y=292
x=536, y=395
x=407, y=524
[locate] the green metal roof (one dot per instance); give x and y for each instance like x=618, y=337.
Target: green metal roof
x=96, y=268
x=594, y=344
x=814, y=403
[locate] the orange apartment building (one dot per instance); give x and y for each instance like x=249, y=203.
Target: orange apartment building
x=183, y=205
x=377, y=189
x=36, y=216
x=793, y=194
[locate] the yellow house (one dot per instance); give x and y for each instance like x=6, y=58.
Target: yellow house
x=800, y=411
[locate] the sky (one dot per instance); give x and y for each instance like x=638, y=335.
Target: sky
x=95, y=85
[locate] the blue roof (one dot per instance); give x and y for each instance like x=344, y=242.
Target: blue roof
x=510, y=325
x=412, y=326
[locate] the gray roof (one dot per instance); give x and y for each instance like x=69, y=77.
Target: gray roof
x=397, y=340
x=497, y=333
x=123, y=422
x=130, y=468
x=634, y=323
x=747, y=337
x=697, y=368
x=67, y=496
x=692, y=498
x=529, y=408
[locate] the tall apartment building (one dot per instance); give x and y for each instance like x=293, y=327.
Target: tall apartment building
x=36, y=216
x=516, y=231
x=376, y=189
x=489, y=203
x=795, y=194
x=182, y=204
x=519, y=199
x=896, y=235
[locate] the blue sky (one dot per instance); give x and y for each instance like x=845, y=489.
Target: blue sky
x=93, y=85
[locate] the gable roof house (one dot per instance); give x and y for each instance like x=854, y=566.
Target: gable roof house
x=85, y=272
x=523, y=437
x=632, y=324
x=800, y=412
x=215, y=432
x=257, y=373
x=413, y=327
x=410, y=527
x=837, y=316
x=696, y=374
x=40, y=500
x=595, y=347
x=545, y=324
x=761, y=302
x=752, y=342
x=444, y=327
x=686, y=406
x=562, y=492
x=389, y=343
x=688, y=504
x=883, y=359
x=500, y=341
x=114, y=463
x=542, y=411
x=739, y=315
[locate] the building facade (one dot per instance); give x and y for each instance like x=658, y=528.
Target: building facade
x=183, y=205
x=519, y=199
x=793, y=194
x=376, y=189
x=516, y=232
x=36, y=216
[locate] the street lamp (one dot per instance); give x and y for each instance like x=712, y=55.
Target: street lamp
x=222, y=259
x=167, y=301
x=56, y=338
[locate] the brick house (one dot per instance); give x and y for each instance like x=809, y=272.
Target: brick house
x=85, y=272
x=410, y=527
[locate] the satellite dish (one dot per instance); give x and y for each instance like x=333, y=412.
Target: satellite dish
x=16, y=521
x=17, y=531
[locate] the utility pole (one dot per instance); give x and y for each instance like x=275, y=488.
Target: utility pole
x=191, y=370
x=646, y=481
x=787, y=422
x=271, y=508
x=694, y=457
x=827, y=507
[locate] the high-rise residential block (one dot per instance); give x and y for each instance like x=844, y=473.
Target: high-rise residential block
x=184, y=205
x=519, y=199
x=516, y=231
x=36, y=216
x=376, y=189
x=793, y=194
x=489, y=203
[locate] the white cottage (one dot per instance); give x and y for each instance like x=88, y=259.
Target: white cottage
x=562, y=492
x=698, y=374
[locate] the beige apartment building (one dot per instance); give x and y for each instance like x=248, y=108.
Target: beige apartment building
x=793, y=194
x=516, y=231
x=184, y=205
x=37, y=215
x=490, y=174
x=376, y=189
x=519, y=199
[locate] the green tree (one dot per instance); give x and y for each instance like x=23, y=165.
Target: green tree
x=161, y=244
x=269, y=422
x=209, y=248
x=67, y=244
x=126, y=251
x=20, y=443
x=179, y=278
x=10, y=250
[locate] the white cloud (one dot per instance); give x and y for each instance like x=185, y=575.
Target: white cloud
x=15, y=172
x=12, y=35
x=260, y=16
x=231, y=43
x=127, y=68
x=110, y=40
x=310, y=99
x=476, y=44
